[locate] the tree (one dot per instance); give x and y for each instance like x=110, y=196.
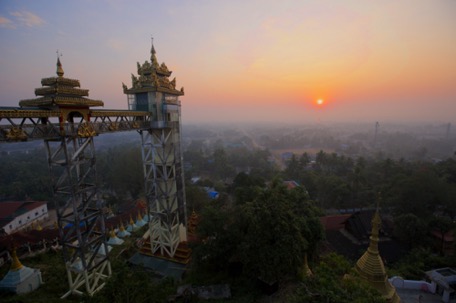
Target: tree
x=275, y=233
x=220, y=236
x=410, y=229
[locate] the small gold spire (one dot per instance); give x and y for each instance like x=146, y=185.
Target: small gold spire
x=131, y=221
x=139, y=216
x=15, y=263
x=122, y=227
x=306, y=269
x=112, y=234
x=39, y=227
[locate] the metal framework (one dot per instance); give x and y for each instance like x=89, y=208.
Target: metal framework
x=62, y=117
x=80, y=218
x=159, y=162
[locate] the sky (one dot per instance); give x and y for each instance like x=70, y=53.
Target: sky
x=245, y=61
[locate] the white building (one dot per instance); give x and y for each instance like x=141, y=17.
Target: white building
x=444, y=280
x=15, y=216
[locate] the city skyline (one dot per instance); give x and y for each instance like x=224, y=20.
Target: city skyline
x=259, y=61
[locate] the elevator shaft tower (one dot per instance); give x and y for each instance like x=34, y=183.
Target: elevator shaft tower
x=152, y=91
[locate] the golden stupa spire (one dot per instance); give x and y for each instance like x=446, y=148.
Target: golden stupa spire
x=59, y=65
x=131, y=221
x=112, y=234
x=15, y=263
x=122, y=227
x=370, y=266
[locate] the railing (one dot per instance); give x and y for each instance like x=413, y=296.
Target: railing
x=23, y=125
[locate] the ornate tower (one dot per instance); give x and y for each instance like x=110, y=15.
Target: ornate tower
x=152, y=91
x=370, y=266
x=71, y=158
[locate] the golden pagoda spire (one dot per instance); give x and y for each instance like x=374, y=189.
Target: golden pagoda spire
x=153, y=57
x=131, y=221
x=60, y=72
x=15, y=263
x=122, y=227
x=370, y=266
x=112, y=234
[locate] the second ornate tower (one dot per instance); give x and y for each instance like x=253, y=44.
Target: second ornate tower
x=154, y=92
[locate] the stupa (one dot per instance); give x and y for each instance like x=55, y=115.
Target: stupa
x=370, y=266
x=20, y=279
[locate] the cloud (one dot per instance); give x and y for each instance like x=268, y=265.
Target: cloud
x=28, y=19
x=7, y=23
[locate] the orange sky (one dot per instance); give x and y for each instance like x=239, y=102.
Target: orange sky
x=247, y=60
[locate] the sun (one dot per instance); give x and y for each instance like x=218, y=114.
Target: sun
x=320, y=101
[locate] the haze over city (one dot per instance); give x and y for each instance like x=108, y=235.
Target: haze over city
x=246, y=61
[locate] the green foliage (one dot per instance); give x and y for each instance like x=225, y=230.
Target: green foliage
x=419, y=260
x=329, y=284
x=220, y=237
x=120, y=170
x=133, y=285
x=25, y=176
x=410, y=229
x=196, y=197
x=267, y=236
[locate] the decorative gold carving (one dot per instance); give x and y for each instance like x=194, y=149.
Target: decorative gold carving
x=20, y=113
x=49, y=101
x=86, y=130
x=135, y=124
x=113, y=126
x=16, y=134
x=44, y=91
x=52, y=81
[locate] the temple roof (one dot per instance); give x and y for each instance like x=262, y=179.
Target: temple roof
x=60, y=91
x=152, y=77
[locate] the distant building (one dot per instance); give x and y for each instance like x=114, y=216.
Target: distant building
x=15, y=216
x=212, y=193
x=290, y=184
x=443, y=243
x=286, y=156
x=445, y=281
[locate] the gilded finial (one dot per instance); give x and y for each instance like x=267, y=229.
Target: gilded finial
x=59, y=65
x=153, y=58
x=152, y=50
